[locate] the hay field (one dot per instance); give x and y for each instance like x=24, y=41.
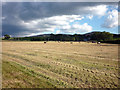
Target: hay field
x=59, y=65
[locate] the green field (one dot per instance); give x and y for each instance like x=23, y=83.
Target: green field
x=59, y=65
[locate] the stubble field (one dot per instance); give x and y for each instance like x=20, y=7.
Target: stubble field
x=59, y=65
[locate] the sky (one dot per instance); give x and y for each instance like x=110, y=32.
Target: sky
x=21, y=19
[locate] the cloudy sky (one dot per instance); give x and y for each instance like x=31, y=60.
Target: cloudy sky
x=34, y=18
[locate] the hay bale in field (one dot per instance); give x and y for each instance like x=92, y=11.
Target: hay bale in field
x=98, y=42
x=45, y=42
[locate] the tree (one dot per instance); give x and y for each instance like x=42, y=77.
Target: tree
x=102, y=36
x=6, y=36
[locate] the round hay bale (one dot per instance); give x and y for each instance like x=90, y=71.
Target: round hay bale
x=45, y=42
x=98, y=42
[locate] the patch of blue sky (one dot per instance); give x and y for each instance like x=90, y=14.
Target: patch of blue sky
x=55, y=30
x=96, y=23
x=112, y=7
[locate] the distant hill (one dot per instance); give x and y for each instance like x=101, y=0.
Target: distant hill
x=86, y=34
x=92, y=36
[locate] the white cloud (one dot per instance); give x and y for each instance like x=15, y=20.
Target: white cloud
x=62, y=23
x=82, y=28
x=111, y=20
x=99, y=10
x=51, y=23
x=77, y=28
x=33, y=34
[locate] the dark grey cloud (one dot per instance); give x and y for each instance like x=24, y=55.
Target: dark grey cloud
x=32, y=10
x=15, y=30
x=15, y=12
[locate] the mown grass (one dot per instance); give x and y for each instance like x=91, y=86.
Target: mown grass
x=59, y=65
x=22, y=77
x=15, y=76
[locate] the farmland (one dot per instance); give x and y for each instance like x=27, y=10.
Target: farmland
x=34, y=64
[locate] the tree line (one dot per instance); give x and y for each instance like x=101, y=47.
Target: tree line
x=96, y=36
